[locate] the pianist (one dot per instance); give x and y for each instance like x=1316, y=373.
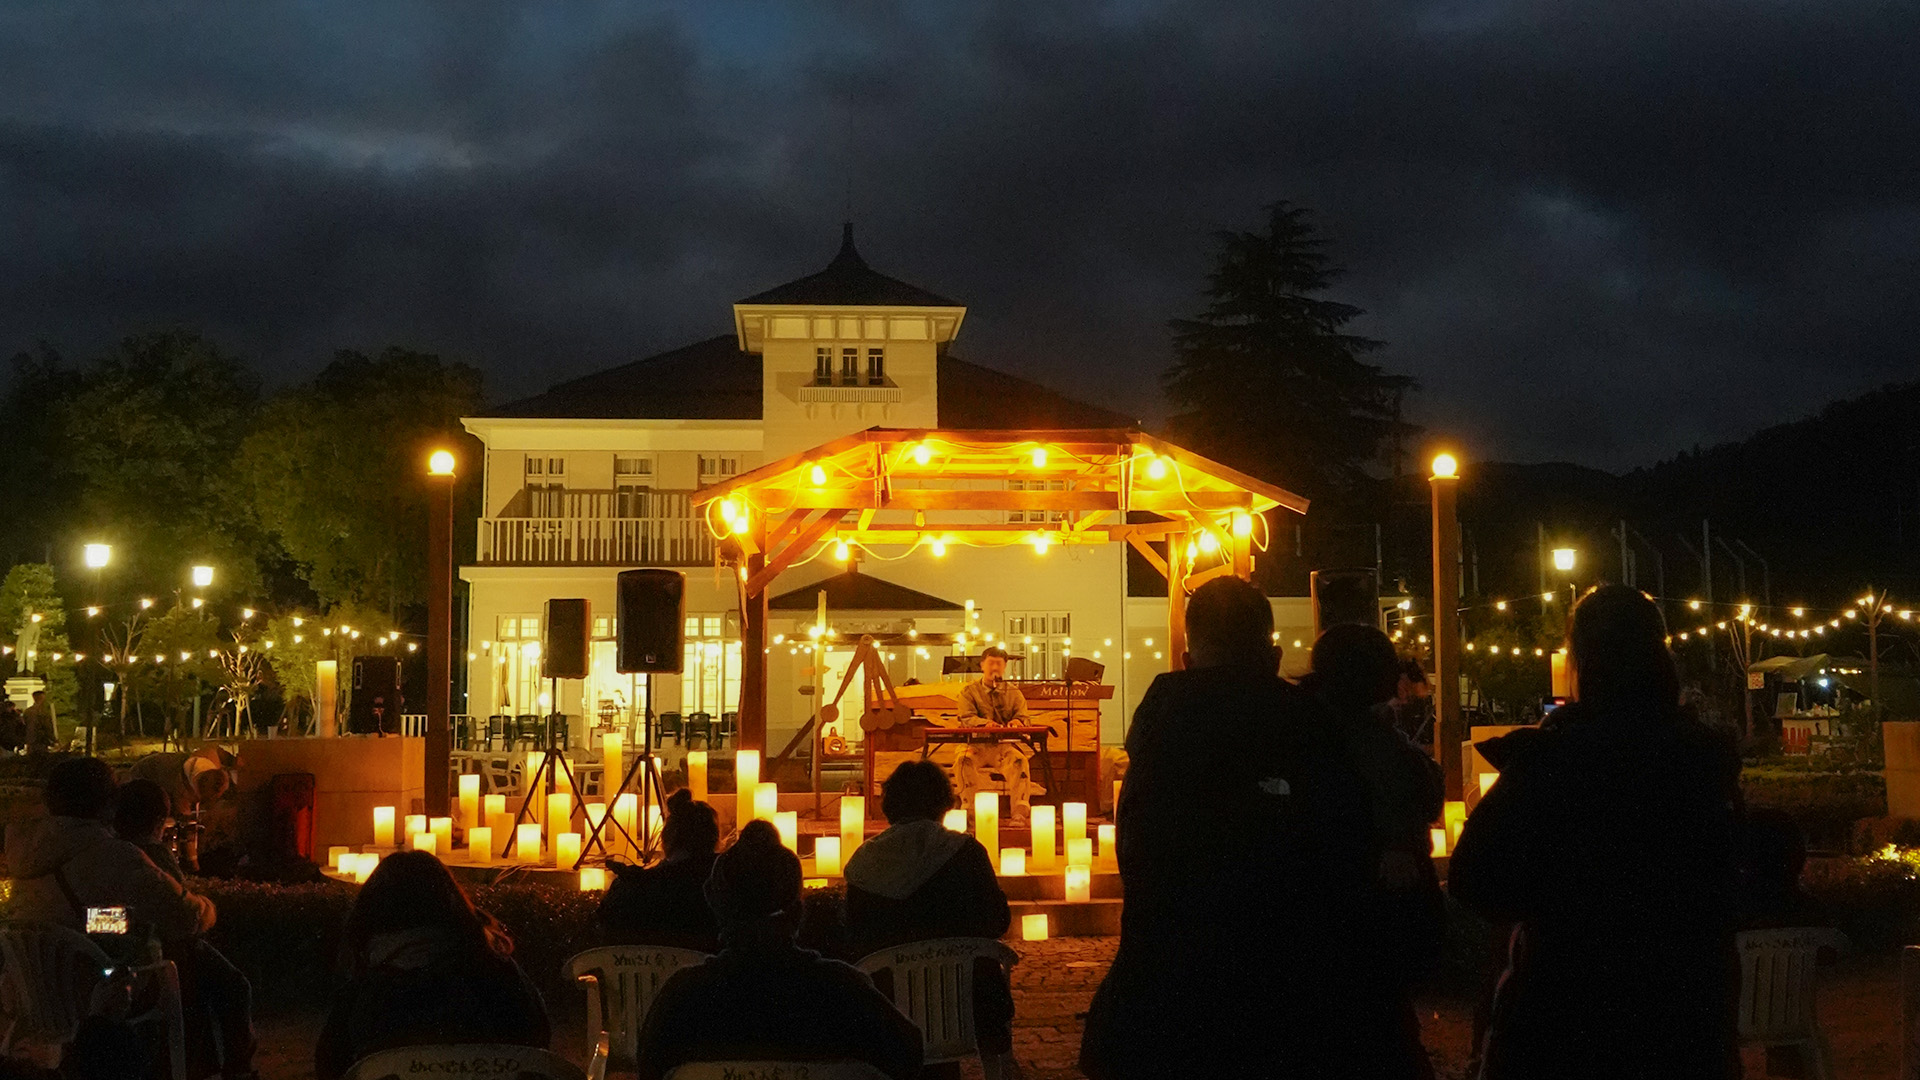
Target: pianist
x=992, y=701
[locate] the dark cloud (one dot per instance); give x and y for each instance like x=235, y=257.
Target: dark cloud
x=1597, y=232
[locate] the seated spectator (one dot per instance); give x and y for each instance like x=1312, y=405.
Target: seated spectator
x=1773, y=854
x=69, y=861
x=215, y=993
x=920, y=880
x=663, y=904
x=763, y=998
x=425, y=968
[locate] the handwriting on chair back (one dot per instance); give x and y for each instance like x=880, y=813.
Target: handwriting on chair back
x=645, y=959
x=924, y=954
x=501, y=1065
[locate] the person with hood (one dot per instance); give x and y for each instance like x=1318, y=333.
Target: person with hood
x=70, y=860
x=663, y=904
x=920, y=880
x=426, y=967
x=763, y=998
x=1245, y=848
x=1609, y=844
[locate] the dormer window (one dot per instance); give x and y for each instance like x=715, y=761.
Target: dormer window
x=876, y=367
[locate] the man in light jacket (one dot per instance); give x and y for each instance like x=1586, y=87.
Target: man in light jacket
x=70, y=860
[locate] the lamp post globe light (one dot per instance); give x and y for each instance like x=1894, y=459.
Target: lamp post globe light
x=1563, y=559
x=202, y=576
x=1445, y=487
x=439, y=741
x=97, y=556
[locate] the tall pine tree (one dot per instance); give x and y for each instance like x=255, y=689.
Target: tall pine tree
x=1266, y=379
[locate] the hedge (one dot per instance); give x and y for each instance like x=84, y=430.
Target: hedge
x=1825, y=803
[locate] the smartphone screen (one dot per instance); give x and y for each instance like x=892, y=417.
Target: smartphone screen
x=106, y=920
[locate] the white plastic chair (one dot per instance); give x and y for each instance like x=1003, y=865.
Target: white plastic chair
x=775, y=1070
x=54, y=976
x=464, y=1059
x=621, y=983
x=1777, y=984
x=933, y=985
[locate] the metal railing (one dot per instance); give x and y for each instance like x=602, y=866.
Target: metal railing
x=669, y=536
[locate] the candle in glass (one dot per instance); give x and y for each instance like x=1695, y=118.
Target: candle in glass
x=469, y=801
x=955, y=820
x=746, y=777
x=766, y=800
x=593, y=879
x=526, y=843
x=536, y=793
x=1116, y=800
x=1439, y=837
x=613, y=760
x=1456, y=819
x=1044, y=852
x=1080, y=852
x=1079, y=884
x=1033, y=927
x=364, y=866
x=787, y=822
x=1074, y=817
x=424, y=841
x=1013, y=861
x=853, y=823
x=335, y=854
x=383, y=826
x=559, y=812
x=826, y=856
x=566, y=850
x=417, y=823
x=626, y=814
x=697, y=774
x=986, y=821
x=596, y=813
x=1109, y=854
x=480, y=844
x=492, y=805
x=442, y=830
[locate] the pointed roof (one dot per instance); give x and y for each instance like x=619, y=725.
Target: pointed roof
x=849, y=282
x=855, y=591
x=707, y=380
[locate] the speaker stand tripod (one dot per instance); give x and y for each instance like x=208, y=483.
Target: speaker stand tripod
x=650, y=794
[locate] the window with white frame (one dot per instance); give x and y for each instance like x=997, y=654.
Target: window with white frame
x=713, y=469
x=1036, y=517
x=1044, y=639
x=632, y=486
x=546, y=486
x=710, y=679
x=516, y=683
x=876, y=367
x=823, y=365
x=850, y=366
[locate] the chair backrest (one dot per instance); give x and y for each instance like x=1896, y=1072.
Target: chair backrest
x=51, y=972
x=622, y=981
x=933, y=985
x=464, y=1059
x=1777, y=982
x=775, y=1070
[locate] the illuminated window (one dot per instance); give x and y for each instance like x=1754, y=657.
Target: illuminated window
x=1036, y=517
x=1046, y=657
x=710, y=679
x=717, y=468
x=632, y=486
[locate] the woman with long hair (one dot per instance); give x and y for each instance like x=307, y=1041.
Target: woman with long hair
x=1608, y=843
x=662, y=904
x=425, y=966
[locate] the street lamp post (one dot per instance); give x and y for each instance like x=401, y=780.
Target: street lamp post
x=439, y=743
x=1445, y=483
x=97, y=556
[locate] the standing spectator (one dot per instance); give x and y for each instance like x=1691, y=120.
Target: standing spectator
x=43, y=732
x=920, y=880
x=1354, y=674
x=1245, y=850
x=763, y=998
x=193, y=782
x=663, y=904
x=216, y=994
x=1610, y=843
x=1412, y=703
x=13, y=728
x=425, y=967
x=70, y=860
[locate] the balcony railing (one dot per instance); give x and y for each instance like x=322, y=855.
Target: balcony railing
x=670, y=536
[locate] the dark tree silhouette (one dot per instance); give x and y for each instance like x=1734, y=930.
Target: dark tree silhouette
x=1266, y=379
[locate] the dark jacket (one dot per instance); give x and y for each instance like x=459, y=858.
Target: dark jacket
x=920, y=880
x=1245, y=847
x=661, y=905
x=1609, y=841
x=421, y=989
x=775, y=1002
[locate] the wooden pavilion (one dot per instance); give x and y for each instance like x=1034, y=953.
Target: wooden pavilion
x=1192, y=519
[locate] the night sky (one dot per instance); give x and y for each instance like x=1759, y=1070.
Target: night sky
x=1594, y=232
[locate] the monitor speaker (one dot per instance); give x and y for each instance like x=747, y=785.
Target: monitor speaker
x=1081, y=669
x=563, y=640
x=376, y=703
x=652, y=617
x=1344, y=596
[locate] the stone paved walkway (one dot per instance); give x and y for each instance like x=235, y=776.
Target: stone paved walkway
x=1054, y=983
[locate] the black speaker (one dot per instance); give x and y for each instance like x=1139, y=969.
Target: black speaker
x=652, y=616
x=563, y=640
x=374, y=708
x=1081, y=669
x=1344, y=596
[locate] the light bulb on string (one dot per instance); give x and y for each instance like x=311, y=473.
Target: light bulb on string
x=1157, y=469
x=818, y=476
x=922, y=454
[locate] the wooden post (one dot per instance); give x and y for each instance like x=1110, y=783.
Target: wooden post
x=439, y=743
x=1447, y=734
x=1242, y=556
x=753, y=657
x=1176, y=601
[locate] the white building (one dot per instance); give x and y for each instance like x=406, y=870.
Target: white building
x=596, y=475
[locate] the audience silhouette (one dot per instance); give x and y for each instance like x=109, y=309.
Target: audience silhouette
x=663, y=904
x=764, y=998
x=1247, y=856
x=920, y=880
x=1609, y=844
x=425, y=967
